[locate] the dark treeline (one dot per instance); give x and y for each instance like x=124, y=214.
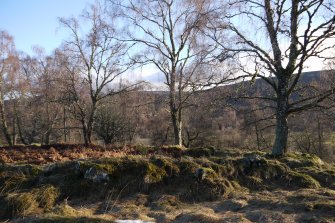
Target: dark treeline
x=225, y=82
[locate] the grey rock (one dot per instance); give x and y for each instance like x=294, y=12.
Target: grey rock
x=76, y=167
x=200, y=174
x=50, y=167
x=96, y=175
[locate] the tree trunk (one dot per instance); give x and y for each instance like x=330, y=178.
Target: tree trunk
x=280, y=144
x=14, y=130
x=177, y=127
x=320, y=137
x=19, y=129
x=257, y=137
x=89, y=135
x=4, y=122
x=88, y=126
x=87, y=140
x=90, y=123
x=46, y=140
x=175, y=112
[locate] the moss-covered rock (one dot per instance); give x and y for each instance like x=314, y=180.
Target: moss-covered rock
x=200, y=152
x=301, y=180
x=167, y=164
x=296, y=160
x=253, y=182
x=210, y=187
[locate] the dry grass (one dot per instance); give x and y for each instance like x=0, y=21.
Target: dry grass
x=165, y=188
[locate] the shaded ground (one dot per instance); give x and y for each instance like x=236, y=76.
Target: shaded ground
x=165, y=185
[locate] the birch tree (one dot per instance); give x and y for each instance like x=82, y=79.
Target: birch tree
x=95, y=63
x=274, y=40
x=168, y=34
x=8, y=67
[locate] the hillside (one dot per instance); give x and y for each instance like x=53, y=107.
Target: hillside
x=165, y=184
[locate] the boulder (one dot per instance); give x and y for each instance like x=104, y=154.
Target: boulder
x=96, y=175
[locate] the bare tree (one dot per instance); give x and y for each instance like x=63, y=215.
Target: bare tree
x=169, y=34
x=115, y=120
x=284, y=36
x=45, y=94
x=8, y=68
x=95, y=62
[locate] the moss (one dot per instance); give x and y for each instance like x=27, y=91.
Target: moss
x=231, y=168
x=251, y=183
x=36, y=170
x=167, y=164
x=265, y=169
x=296, y=160
x=143, y=150
x=274, y=169
x=105, y=167
x=211, y=187
x=173, y=147
x=28, y=170
x=154, y=174
x=200, y=152
x=135, y=174
x=255, y=153
x=210, y=174
x=302, y=180
x=187, y=166
x=324, y=177
x=228, y=153
x=165, y=174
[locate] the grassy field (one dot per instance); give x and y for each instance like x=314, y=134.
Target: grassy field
x=72, y=183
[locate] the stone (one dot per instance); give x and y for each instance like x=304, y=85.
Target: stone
x=96, y=175
x=200, y=174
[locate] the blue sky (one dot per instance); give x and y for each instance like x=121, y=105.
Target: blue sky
x=35, y=22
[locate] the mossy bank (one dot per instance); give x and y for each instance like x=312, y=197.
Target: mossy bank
x=198, y=175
